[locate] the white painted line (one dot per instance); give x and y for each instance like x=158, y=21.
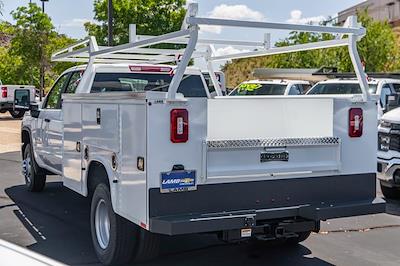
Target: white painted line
x=32, y=225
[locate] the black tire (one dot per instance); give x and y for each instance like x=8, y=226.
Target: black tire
x=296, y=240
x=34, y=180
x=149, y=246
x=127, y=242
x=17, y=113
x=390, y=192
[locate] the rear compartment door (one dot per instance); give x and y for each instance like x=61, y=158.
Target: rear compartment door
x=261, y=138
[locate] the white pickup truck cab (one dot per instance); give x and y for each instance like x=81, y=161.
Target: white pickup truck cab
x=389, y=154
x=158, y=155
x=14, y=97
x=271, y=87
x=381, y=87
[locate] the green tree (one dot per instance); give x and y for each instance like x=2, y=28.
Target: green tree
x=27, y=59
x=33, y=28
x=152, y=17
x=378, y=49
x=11, y=70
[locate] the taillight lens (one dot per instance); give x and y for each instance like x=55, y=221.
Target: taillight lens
x=4, y=92
x=156, y=69
x=179, y=125
x=355, y=122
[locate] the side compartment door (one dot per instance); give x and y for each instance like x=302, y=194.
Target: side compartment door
x=49, y=134
x=72, y=147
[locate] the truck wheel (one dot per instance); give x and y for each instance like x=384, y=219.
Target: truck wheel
x=34, y=181
x=17, y=113
x=390, y=192
x=296, y=240
x=116, y=240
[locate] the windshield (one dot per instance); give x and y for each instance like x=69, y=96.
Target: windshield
x=191, y=85
x=340, y=88
x=259, y=89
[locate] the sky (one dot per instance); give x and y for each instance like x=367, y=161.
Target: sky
x=69, y=15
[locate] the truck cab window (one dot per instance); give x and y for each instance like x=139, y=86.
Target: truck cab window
x=191, y=85
x=74, y=82
x=295, y=90
x=396, y=87
x=54, y=96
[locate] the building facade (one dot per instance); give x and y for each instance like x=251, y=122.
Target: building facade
x=378, y=9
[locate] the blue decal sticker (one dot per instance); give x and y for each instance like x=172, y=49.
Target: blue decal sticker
x=178, y=181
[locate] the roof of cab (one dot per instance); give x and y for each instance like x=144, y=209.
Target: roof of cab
x=276, y=81
x=353, y=81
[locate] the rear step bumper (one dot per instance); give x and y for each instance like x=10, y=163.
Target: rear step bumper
x=176, y=225
x=225, y=206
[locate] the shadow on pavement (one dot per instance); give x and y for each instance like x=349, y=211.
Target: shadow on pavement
x=393, y=207
x=58, y=219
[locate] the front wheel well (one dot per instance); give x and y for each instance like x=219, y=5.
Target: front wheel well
x=97, y=174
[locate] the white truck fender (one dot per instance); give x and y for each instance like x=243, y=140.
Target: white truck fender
x=106, y=163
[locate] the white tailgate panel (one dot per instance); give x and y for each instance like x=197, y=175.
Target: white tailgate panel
x=239, y=118
x=229, y=163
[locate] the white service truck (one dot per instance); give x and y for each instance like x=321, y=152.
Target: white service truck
x=14, y=98
x=158, y=155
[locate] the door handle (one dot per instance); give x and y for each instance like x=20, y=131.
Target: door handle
x=47, y=120
x=78, y=146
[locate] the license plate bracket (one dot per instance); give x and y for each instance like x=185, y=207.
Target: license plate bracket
x=178, y=181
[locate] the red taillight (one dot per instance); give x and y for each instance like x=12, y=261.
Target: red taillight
x=156, y=69
x=355, y=122
x=4, y=92
x=179, y=125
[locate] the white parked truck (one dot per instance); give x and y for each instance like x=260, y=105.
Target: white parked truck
x=382, y=88
x=389, y=154
x=271, y=87
x=157, y=155
x=13, y=98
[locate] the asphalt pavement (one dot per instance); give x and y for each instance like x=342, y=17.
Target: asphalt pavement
x=55, y=223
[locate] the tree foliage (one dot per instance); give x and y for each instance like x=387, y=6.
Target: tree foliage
x=378, y=49
x=152, y=17
x=33, y=41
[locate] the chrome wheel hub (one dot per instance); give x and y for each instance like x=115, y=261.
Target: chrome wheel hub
x=102, y=224
x=27, y=170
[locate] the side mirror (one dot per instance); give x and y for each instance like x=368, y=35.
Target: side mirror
x=21, y=99
x=35, y=111
x=392, y=102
